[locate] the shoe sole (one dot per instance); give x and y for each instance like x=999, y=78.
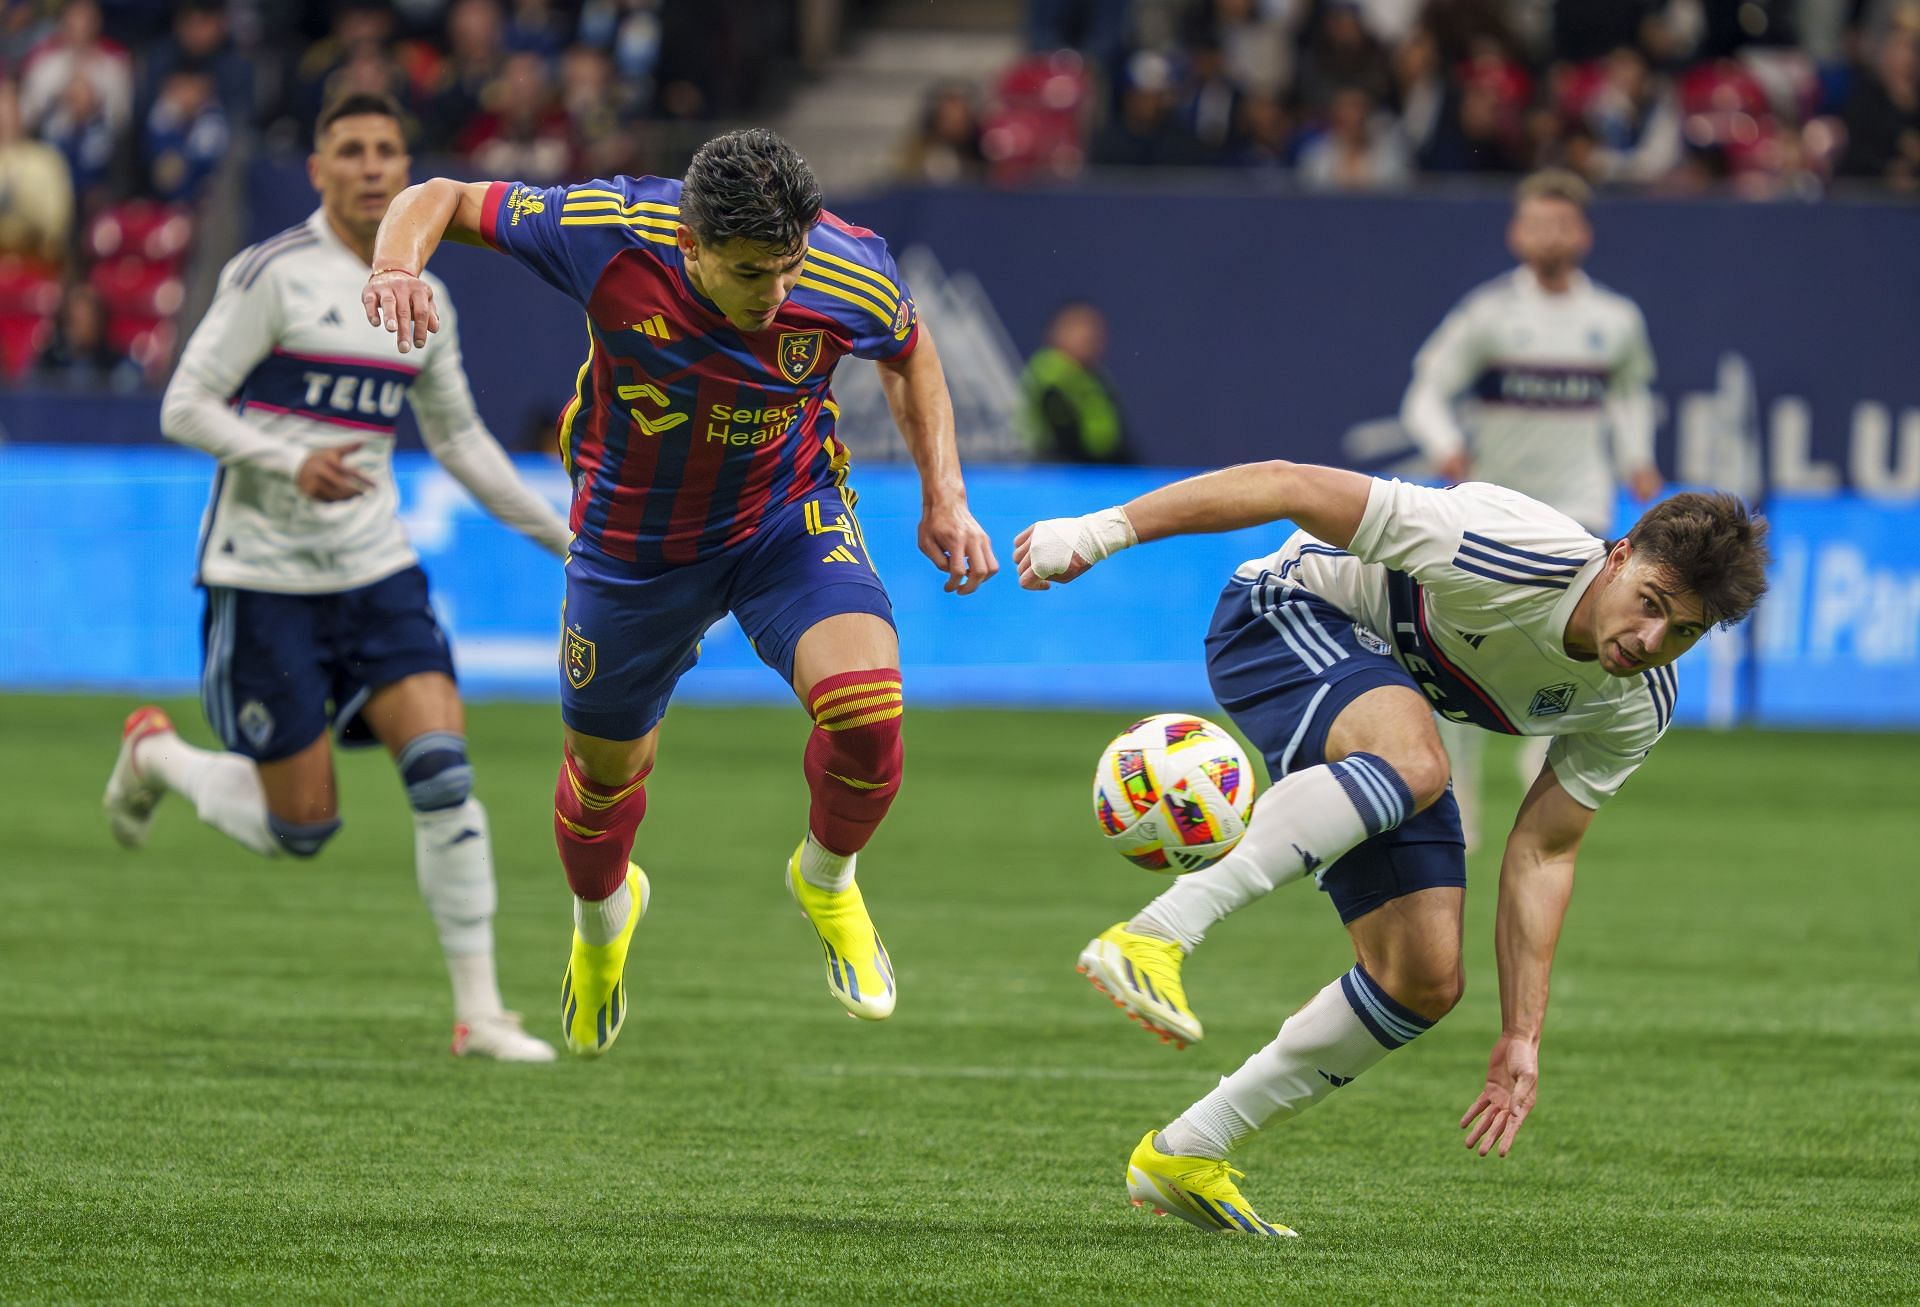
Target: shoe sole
x=1089, y=966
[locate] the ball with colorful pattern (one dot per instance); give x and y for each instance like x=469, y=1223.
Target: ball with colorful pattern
x=1172, y=793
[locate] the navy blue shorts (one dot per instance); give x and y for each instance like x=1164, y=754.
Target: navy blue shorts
x=1283, y=663
x=632, y=632
x=279, y=668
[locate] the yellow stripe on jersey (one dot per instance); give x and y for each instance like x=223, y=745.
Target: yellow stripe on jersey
x=638, y=206
x=573, y=405
x=852, y=297
x=892, y=302
x=614, y=206
x=657, y=237
x=848, y=265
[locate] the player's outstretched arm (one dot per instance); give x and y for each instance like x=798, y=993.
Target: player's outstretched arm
x=419, y=218
x=1327, y=502
x=1536, y=883
x=916, y=390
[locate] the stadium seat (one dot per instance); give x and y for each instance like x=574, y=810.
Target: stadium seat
x=1034, y=125
x=142, y=229
x=29, y=297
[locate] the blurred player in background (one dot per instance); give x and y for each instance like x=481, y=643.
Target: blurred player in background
x=317, y=611
x=708, y=480
x=1331, y=654
x=1547, y=366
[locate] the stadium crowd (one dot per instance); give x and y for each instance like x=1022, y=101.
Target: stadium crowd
x=1758, y=98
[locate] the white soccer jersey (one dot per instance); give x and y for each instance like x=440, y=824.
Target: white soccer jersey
x=284, y=363
x=1541, y=381
x=1470, y=589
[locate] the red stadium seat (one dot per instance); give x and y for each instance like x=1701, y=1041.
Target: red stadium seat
x=132, y=287
x=22, y=337
x=27, y=288
x=142, y=229
x=1033, y=126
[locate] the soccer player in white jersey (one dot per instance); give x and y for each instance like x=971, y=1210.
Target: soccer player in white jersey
x=1332, y=655
x=316, y=609
x=1527, y=383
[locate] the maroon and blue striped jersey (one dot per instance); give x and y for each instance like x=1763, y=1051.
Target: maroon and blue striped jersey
x=685, y=432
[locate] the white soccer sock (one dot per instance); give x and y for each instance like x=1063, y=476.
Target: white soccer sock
x=1343, y=1030
x=1302, y=823
x=224, y=788
x=601, y=921
x=453, y=861
x=824, y=869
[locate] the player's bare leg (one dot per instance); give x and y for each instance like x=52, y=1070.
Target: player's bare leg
x=1406, y=978
x=1384, y=763
x=598, y=802
x=421, y=722
x=846, y=672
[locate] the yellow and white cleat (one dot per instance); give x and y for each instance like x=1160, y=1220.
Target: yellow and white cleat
x=1141, y=975
x=593, y=994
x=1198, y=1190
x=859, y=973
x=131, y=797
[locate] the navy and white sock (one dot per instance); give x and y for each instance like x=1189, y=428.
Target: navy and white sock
x=1303, y=823
x=1343, y=1030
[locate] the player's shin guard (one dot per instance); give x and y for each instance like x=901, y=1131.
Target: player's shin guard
x=593, y=825
x=1343, y=1030
x=853, y=758
x=453, y=860
x=1303, y=823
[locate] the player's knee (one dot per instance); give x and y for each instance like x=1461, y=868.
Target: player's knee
x=1425, y=769
x=302, y=839
x=1430, y=990
x=857, y=718
x=435, y=770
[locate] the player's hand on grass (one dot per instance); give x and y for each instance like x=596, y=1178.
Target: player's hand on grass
x=402, y=303
x=326, y=477
x=958, y=546
x=1513, y=1074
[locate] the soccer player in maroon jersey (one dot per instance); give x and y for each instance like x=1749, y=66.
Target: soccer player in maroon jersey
x=707, y=480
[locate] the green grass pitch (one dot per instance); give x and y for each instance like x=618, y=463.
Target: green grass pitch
x=225, y=1080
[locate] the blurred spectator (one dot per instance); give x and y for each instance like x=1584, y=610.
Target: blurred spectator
x=1883, y=114
x=79, y=355
x=362, y=31
x=36, y=195
x=1266, y=132
x=1341, y=53
x=1634, y=118
x=1069, y=414
x=1585, y=30
x=1481, y=127
x=187, y=135
x=200, y=36
x=1143, y=134
x=629, y=32
x=1097, y=27
x=524, y=133
x=946, y=146
x=534, y=28
x=1359, y=151
x=76, y=50
x=79, y=128
x=1420, y=90
x=1209, y=108
x=589, y=96
x=1256, y=39
x=475, y=56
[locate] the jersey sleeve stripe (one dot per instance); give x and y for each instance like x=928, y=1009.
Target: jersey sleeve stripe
x=612, y=220
x=615, y=220
x=1528, y=569
x=851, y=297
x=592, y=197
x=1545, y=583
x=821, y=270
x=849, y=265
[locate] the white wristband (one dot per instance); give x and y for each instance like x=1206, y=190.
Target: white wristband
x=1054, y=542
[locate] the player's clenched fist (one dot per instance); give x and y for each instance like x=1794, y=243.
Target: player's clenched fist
x=1061, y=548
x=402, y=303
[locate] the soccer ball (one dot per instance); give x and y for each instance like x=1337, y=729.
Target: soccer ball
x=1173, y=793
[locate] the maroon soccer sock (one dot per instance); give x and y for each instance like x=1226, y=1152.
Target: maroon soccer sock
x=593, y=826
x=853, y=757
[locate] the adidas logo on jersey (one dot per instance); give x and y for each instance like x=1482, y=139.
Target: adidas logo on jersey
x=331, y=318
x=840, y=554
x=654, y=328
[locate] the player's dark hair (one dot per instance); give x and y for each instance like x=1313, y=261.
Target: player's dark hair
x=750, y=186
x=1711, y=545
x=352, y=105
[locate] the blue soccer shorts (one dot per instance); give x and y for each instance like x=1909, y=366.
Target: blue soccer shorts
x=631, y=632
x=1284, y=662
x=279, y=668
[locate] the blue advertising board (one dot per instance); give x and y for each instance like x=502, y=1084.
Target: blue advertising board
x=96, y=590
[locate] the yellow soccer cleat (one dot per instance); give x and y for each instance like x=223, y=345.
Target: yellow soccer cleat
x=1141, y=974
x=593, y=999
x=859, y=973
x=1198, y=1190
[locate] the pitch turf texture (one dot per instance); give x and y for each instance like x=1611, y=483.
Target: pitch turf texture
x=226, y=1080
